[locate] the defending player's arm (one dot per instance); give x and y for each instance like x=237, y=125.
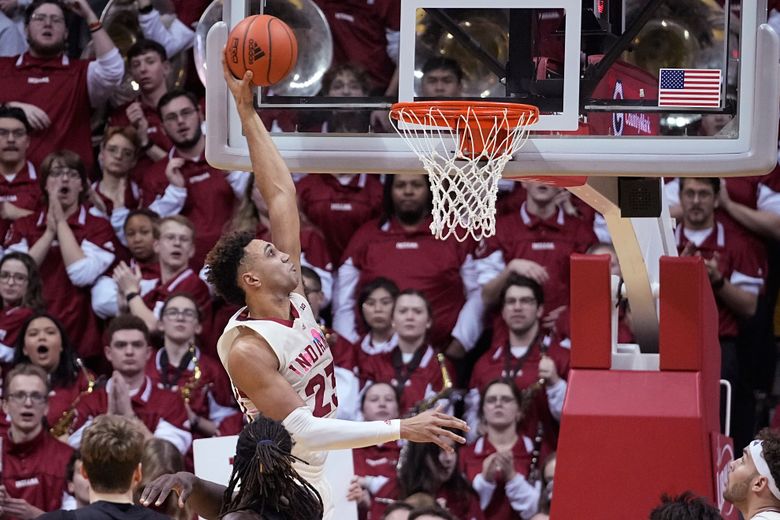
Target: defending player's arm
x=272, y=177
x=253, y=367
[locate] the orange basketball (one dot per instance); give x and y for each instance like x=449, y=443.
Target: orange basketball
x=263, y=44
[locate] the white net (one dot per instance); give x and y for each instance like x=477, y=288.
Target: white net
x=464, y=155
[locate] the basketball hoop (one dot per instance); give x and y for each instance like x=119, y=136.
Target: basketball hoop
x=464, y=146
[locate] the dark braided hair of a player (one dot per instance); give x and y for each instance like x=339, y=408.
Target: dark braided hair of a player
x=269, y=485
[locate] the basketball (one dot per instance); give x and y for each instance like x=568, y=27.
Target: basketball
x=263, y=44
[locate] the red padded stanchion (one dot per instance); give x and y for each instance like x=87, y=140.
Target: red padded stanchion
x=628, y=436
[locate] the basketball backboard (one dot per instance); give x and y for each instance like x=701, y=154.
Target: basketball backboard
x=625, y=87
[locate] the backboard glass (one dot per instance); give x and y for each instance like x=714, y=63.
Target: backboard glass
x=595, y=68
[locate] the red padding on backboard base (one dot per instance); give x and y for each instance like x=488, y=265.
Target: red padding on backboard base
x=591, y=312
x=562, y=181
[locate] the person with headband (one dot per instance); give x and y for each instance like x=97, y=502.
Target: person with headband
x=752, y=481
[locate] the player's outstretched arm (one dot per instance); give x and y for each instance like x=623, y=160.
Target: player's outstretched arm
x=272, y=177
x=253, y=367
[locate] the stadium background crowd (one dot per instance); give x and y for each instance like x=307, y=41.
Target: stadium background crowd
x=107, y=211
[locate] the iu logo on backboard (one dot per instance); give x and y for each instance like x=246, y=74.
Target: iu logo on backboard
x=722, y=455
x=255, y=52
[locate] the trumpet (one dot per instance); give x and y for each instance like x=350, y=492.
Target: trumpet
x=446, y=390
x=194, y=381
x=63, y=424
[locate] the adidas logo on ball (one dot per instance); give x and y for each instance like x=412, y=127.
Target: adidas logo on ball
x=255, y=52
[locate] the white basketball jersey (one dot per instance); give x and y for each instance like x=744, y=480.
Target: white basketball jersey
x=305, y=361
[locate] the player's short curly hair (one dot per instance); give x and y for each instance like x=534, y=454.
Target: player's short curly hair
x=223, y=262
x=771, y=449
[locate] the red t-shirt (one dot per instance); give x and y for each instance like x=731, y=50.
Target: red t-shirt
x=358, y=29
x=737, y=262
x=23, y=191
x=405, y=257
x=210, y=394
x=67, y=302
x=419, y=377
x=35, y=470
x=151, y=405
x=210, y=200
x=340, y=209
x=380, y=463
x=11, y=321
x=63, y=399
x=58, y=86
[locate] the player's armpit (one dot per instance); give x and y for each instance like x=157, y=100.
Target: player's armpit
x=253, y=367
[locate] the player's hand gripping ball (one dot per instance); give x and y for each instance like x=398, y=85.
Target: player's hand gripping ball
x=263, y=44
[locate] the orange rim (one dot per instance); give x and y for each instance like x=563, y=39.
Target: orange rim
x=449, y=112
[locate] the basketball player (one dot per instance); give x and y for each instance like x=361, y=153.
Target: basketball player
x=273, y=349
x=752, y=481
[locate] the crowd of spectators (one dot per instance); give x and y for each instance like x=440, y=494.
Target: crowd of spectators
x=104, y=309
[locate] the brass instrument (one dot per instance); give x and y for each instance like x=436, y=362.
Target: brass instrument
x=63, y=424
x=445, y=392
x=194, y=381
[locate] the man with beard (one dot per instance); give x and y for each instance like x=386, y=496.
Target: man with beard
x=211, y=193
x=19, y=189
x=55, y=91
x=400, y=247
x=752, y=482
x=737, y=276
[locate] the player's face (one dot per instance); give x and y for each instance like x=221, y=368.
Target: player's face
x=175, y=246
x=26, y=402
x=410, y=193
x=410, y=317
x=380, y=403
x=440, y=83
x=180, y=320
x=128, y=352
x=14, y=280
x=43, y=343
x=273, y=268
x=149, y=71
x=520, y=310
x=378, y=309
x=14, y=141
x=182, y=120
x=541, y=193
x=117, y=155
x=698, y=203
x=139, y=232
x=742, y=471
x=46, y=31
x=500, y=408
x=347, y=85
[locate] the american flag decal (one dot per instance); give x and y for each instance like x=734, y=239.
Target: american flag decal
x=689, y=88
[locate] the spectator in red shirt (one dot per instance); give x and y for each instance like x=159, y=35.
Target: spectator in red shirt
x=411, y=366
x=426, y=468
x=211, y=194
x=499, y=464
x=399, y=247
x=115, y=195
x=737, y=277
x=34, y=462
x=20, y=193
x=376, y=472
x=20, y=296
x=55, y=91
x=148, y=66
x=42, y=342
x=131, y=393
x=181, y=367
x=71, y=246
x=145, y=297
x=376, y=302
x=525, y=356
x=535, y=242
